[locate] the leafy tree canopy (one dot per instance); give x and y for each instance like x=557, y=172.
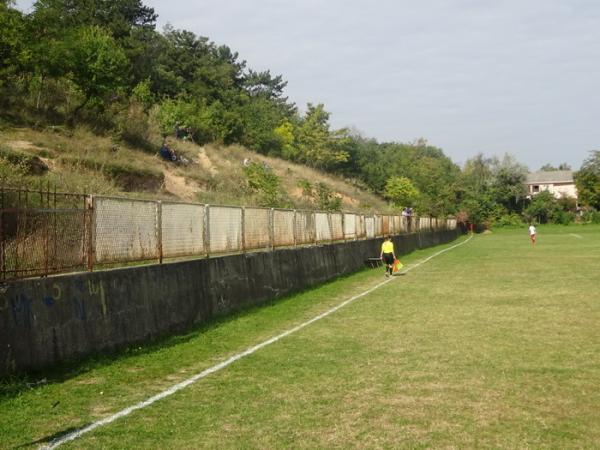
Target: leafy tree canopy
x=587, y=180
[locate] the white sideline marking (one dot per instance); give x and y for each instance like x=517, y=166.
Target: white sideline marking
x=78, y=433
x=578, y=236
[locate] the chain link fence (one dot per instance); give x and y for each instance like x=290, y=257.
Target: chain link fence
x=256, y=228
x=182, y=231
x=283, y=228
x=125, y=230
x=43, y=233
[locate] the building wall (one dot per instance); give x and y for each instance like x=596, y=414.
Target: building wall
x=558, y=190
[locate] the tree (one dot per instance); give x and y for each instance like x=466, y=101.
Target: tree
x=119, y=17
x=261, y=118
x=543, y=207
x=508, y=182
x=401, y=192
x=477, y=174
x=587, y=180
x=551, y=168
x=13, y=57
x=11, y=40
x=318, y=147
x=97, y=65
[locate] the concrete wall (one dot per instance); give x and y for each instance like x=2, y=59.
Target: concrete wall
x=45, y=321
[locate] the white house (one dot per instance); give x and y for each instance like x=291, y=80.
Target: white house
x=558, y=182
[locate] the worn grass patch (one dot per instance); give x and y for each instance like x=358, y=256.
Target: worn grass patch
x=493, y=344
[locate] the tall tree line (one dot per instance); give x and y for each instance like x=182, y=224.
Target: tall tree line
x=102, y=63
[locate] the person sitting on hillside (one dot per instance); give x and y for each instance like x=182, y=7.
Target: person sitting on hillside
x=167, y=153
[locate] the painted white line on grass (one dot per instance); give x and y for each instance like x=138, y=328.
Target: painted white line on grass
x=173, y=389
x=578, y=236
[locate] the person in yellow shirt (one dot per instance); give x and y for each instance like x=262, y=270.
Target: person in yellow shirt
x=387, y=255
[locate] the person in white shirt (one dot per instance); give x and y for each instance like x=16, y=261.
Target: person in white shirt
x=532, y=233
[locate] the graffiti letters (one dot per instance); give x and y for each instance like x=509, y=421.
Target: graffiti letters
x=21, y=310
x=98, y=289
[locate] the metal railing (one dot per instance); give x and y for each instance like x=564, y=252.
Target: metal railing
x=43, y=232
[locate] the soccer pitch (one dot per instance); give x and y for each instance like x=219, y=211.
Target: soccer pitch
x=494, y=343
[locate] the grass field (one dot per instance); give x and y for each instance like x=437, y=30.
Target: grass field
x=492, y=344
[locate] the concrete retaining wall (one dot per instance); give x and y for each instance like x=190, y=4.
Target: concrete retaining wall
x=50, y=320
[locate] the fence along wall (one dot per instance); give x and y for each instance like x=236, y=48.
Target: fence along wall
x=108, y=230
x=54, y=319
x=132, y=230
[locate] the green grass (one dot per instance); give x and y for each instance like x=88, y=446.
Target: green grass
x=493, y=344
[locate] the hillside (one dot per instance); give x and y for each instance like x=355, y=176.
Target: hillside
x=80, y=161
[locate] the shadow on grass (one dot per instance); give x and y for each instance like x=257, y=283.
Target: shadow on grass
x=50, y=438
x=13, y=385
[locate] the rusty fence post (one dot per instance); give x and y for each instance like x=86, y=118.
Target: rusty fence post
x=206, y=236
x=159, y=242
x=272, y=229
x=46, y=226
x=314, y=216
x=294, y=230
x=243, y=229
x=90, y=212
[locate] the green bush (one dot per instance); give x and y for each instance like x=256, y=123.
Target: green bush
x=563, y=217
x=591, y=216
x=263, y=181
x=11, y=173
x=543, y=207
x=32, y=164
x=132, y=125
x=508, y=220
x=320, y=195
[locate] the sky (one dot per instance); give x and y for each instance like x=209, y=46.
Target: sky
x=491, y=76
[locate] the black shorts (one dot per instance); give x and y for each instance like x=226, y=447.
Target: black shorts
x=388, y=258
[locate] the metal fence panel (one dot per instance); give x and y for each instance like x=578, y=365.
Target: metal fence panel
x=361, y=228
x=182, y=228
x=305, y=227
x=225, y=229
x=370, y=227
x=385, y=225
x=350, y=226
x=378, y=226
x=404, y=224
x=337, y=226
x=322, y=225
x=283, y=228
x=396, y=225
x=125, y=230
x=42, y=241
x=256, y=228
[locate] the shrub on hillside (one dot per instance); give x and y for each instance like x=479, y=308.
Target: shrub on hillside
x=132, y=125
x=266, y=184
x=320, y=195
